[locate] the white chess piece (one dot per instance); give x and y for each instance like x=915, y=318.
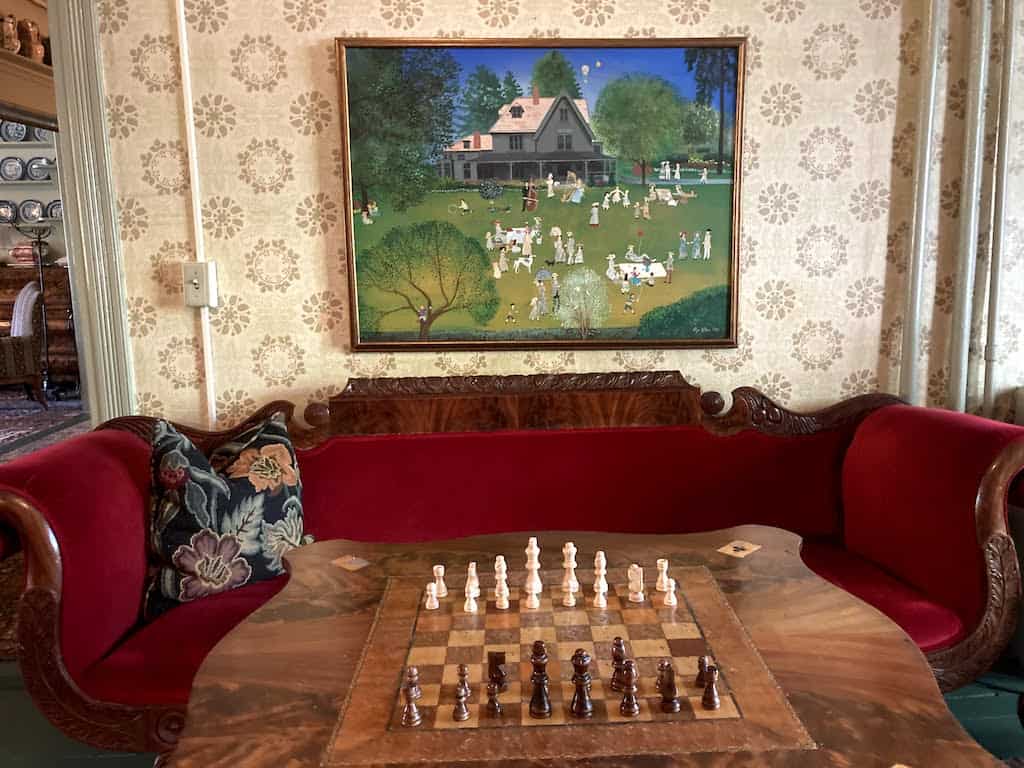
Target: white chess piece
x=472, y=580
x=442, y=588
x=432, y=604
x=600, y=582
x=472, y=590
x=570, y=584
x=533, y=586
x=501, y=594
x=670, y=594
x=500, y=573
x=636, y=584
x=662, y=583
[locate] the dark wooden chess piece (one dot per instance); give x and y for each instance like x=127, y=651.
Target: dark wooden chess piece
x=461, y=710
x=703, y=662
x=630, y=706
x=411, y=692
x=618, y=660
x=667, y=687
x=581, y=705
x=493, y=705
x=540, y=702
x=710, y=698
x=496, y=669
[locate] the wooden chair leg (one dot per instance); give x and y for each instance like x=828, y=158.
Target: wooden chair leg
x=38, y=393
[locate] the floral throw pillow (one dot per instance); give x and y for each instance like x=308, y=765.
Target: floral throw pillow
x=222, y=521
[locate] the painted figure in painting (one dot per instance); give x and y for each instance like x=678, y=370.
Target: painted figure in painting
x=569, y=175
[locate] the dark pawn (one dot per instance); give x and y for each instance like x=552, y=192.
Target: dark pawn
x=618, y=660
x=461, y=711
x=411, y=692
x=667, y=687
x=493, y=705
x=581, y=705
x=540, y=702
x=629, y=707
x=496, y=669
x=710, y=699
x=703, y=663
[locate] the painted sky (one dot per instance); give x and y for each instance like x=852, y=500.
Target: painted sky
x=615, y=62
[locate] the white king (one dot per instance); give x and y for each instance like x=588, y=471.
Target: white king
x=570, y=584
x=532, y=587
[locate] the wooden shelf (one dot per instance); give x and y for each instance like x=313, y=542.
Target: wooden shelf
x=27, y=86
x=5, y=145
x=28, y=183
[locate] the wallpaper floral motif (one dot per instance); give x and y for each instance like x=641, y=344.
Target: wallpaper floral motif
x=829, y=145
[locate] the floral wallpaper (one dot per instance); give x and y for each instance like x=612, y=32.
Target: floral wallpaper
x=831, y=97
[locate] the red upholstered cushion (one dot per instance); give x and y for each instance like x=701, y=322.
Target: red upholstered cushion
x=666, y=479
x=156, y=664
x=910, y=482
x=930, y=625
x=93, y=490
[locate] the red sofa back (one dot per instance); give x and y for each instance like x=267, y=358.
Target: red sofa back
x=98, y=514
x=910, y=487
x=654, y=480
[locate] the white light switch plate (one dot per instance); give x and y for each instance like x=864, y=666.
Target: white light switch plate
x=200, y=283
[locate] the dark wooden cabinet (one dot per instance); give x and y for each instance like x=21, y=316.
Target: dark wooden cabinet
x=59, y=316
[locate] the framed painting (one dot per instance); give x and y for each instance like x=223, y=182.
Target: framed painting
x=541, y=194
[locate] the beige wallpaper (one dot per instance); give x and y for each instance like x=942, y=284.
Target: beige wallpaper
x=830, y=130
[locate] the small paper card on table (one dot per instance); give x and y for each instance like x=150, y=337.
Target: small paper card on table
x=350, y=562
x=739, y=548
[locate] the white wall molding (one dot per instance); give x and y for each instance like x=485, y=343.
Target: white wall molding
x=90, y=212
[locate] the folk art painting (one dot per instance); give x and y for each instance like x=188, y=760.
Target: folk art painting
x=508, y=193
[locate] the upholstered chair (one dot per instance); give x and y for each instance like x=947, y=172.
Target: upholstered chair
x=21, y=351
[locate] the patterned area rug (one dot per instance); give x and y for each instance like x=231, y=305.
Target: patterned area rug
x=23, y=421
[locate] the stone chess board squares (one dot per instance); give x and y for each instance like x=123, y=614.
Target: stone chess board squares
x=445, y=638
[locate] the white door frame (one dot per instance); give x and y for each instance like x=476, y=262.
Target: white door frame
x=90, y=212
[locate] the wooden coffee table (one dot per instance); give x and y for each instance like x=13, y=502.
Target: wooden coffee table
x=811, y=676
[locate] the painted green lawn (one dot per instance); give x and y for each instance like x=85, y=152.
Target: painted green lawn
x=617, y=229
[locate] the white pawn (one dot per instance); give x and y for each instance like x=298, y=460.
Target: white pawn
x=432, y=604
x=472, y=580
x=636, y=584
x=670, y=594
x=662, y=583
x=533, y=586
x=500, y=573
x=570, y=584
x=442, y=588
x=600, y=582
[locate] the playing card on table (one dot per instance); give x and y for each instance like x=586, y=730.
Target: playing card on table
x=351, y=562
x=739, y=548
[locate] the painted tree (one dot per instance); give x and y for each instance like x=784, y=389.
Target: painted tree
x=638, y=116
x=552, y=74
x=699, y=123
x=583, y=305
x=425, y=270
x=510, y=88
x=401, y=104
x=490, y=190
x=715, y=72
x=482, y=97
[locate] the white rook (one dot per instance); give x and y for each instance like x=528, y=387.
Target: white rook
x=442, y=588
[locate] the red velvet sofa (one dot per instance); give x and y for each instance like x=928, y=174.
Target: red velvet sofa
x=904, y=507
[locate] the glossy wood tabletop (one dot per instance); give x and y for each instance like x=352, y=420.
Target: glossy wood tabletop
x=270, y=693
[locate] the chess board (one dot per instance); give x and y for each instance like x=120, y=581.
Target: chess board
x=754, y=714
x=447, y=637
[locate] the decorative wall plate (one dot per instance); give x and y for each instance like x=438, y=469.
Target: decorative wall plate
x=12, y=169
x=55, y=210
x=8, y=212
x=12, y=131
x=38, y=168
x=44, y=135
x=30, y=210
